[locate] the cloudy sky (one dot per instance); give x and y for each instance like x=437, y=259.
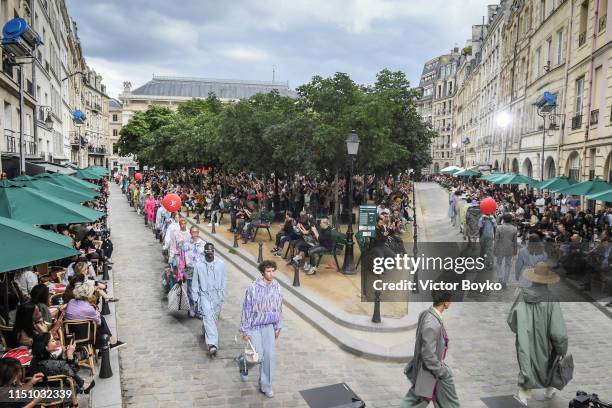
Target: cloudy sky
x=244, y=39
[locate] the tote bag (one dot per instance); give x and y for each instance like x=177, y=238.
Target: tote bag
x=177, y=297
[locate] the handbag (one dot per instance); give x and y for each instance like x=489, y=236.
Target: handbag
x=177, y=298
x=562, y=372
x=250, y=355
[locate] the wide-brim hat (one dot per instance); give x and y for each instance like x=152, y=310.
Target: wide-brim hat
x=541, y=273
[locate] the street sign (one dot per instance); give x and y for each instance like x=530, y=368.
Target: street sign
x=367, y=219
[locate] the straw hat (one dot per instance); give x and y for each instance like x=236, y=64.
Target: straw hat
x=541, y=273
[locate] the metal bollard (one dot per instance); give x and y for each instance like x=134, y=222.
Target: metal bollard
x=235, y=240
x=105, y=271
x=296, y=275
x=197, y=218
x=105, y=365
x=214, y=231
x=104, y=310
x=376, y=315
x=260, y=256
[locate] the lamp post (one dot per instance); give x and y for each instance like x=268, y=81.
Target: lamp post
x=545, y=105
x=78, y=119
x=352, y=147
x=503, y=119
x=454, y=150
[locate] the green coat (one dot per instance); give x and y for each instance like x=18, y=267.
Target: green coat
x=537, y=320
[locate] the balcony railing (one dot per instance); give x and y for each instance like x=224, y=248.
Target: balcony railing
x=602, y=22
x=581, y=38
x=576, y=122
x=594, y=116
x=10, y=141
x=97, y=150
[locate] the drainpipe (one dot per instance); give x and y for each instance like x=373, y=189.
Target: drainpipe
x=564, y=110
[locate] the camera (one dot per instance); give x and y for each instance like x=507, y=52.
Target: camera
x=584, y=400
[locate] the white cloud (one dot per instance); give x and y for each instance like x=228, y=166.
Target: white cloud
x=245, y=53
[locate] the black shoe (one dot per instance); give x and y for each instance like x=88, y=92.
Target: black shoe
x=609, y=304
x=117, y=345
x=91, y=385
x=212, y=351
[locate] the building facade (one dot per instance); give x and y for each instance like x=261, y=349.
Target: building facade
x=526, y=48
x=56, y=83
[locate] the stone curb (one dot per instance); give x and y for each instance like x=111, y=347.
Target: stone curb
x=322, y=321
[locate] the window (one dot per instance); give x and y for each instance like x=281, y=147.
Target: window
x=114, y=117
x=549, y=52
x=537, y=62
x=559, y=46
x=579, y=91
x=542, y=10
x=582, y=24
x=115, y=132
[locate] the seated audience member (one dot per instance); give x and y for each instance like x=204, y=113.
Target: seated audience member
x=11, y=378
x=81, y=308
x=40, y=297
x=28, y=323
x=325, y=241
x=286, y=234
x=49, y=358
x=26, y=279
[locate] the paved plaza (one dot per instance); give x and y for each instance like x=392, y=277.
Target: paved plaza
x=165, y=363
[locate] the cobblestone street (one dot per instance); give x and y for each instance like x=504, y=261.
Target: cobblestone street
x=165, y=364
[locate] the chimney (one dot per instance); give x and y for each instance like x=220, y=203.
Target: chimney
x=127, y=87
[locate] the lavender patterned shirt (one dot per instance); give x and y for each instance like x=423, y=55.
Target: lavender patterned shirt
x=193, y=250
x=263, y=305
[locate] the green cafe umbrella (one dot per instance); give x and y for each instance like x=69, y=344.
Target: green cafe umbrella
x=103, y=171
x=605, y=196
x=25, y=245
x=68, y=181
x=558, y=182
x=466, y=173
x=31, y=206
x=491, y=177
x=73, y=195
x=590, y=187
x=88, y=175
x=450, y=170
x=513, y=178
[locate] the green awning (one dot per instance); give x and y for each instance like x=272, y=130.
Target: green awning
x=68, y=181
x=513, y=178
x=88, y=175
x=69, y=194
x=450, y=170
x=466, y=173
x=491, y=177
x=558, y=182
x=590, y=187
x=23, y=245
x=605, y=196
x=31, y=206
x=102, y=171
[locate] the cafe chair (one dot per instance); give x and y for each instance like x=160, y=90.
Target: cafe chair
x=59, y=383
x=84, y=336
x=6, y=336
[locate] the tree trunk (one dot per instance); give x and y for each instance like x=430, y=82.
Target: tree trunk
x=336, y=203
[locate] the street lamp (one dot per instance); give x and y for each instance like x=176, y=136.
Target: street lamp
x=503, y=120
x=78, y=119
x=545, y=105
x=352, y=147
x=454, y=145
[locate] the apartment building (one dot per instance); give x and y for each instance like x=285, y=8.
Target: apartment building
x=526, y=48
x=56, y=83
x=435, y=104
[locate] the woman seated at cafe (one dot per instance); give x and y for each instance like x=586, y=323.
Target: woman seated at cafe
x=50, y=359
x=40, y=296
x=81, y=270
x=81, y=307
x=11, y=378
x=29, y=322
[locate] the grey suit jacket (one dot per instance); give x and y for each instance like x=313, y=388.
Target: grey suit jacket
x=426, y=367
x=505, y=240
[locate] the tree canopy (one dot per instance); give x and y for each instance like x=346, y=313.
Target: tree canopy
x=274, y=133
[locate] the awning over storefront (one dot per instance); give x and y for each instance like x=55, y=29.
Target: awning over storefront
x=56, y=168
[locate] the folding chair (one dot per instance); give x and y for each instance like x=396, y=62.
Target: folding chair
x=60, y=383
x=339, y=241
x=85, y=336
x=265, y=222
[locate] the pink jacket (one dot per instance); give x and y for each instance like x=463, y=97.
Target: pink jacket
x=150, y=204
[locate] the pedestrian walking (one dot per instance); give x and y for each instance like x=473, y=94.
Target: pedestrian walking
x=262, y=322
x=505, y=249
x=432, y=380
x=537, y=321
x=208, y=293
x=193, y=250
x=527, y=258
x=487, y=227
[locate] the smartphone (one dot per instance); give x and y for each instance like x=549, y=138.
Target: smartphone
x=69, y=338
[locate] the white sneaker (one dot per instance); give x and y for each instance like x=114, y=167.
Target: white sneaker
x=307, y=267
x=312, y=271
x=210, y=224
x=217, y=224
x=522, y=395
x=550, y=393
x=297, y=258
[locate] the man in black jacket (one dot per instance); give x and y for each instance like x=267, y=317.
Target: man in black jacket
x=326, y=242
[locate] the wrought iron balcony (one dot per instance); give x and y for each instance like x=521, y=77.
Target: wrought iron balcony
x=10, y=141
x=594, y=116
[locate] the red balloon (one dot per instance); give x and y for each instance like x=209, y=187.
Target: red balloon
x=117, y=177
x=138, y=176
x=172, y=202
x=488, y=206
